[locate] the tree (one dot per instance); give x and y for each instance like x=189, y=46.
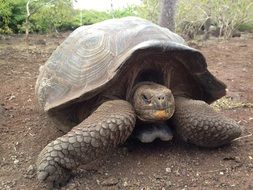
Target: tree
x=12, y=14
x=220, y=18
x=18, y=15
x=59, y=15
x=167, y=14
x=149, y=10
x=6, y=11
x=32, y=6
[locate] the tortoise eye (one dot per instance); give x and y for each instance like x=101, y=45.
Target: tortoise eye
x=146, y=99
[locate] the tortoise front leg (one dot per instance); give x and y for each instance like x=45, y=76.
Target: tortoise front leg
x=110, y=125
x=196, y=122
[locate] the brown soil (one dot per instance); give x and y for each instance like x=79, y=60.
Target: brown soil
x=25, y=130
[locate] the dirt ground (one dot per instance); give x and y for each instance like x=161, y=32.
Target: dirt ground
x=25, y=130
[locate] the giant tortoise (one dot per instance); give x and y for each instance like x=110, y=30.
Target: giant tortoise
x=120, y=78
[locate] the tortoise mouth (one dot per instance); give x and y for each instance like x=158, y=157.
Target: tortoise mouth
x=150, y=115
x=162, y=114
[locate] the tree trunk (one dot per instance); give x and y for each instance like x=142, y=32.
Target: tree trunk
x=167, y=14
x=27, y=22
x=27, y=30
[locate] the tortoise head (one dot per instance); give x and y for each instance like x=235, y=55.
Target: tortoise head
x=152, y=102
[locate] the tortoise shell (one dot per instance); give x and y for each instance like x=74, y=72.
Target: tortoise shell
x=92, y=56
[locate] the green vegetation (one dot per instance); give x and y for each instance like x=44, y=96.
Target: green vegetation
x=149, y=10
x=12, y=15
x=58, y=15
x=51, y=16
x=86, y=17
x=54, y=16
x=226, y=15
x=246, y=27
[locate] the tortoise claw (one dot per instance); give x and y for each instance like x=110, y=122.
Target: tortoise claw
x=53, y=174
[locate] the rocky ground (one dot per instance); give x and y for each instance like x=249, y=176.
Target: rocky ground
x=25, y=130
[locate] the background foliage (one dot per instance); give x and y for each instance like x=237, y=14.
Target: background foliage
x=59, y=15
x=12, y=15
x=226, y=15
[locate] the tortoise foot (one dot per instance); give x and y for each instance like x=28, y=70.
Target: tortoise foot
x=53, y=174
x=108, y=126
x=196, y=122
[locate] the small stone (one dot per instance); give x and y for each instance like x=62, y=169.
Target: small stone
x=221, y=173
x=16, y=161
x=11, y=97
x=111, y=181
x=125, y=184
x=168, y=170
x=2, y=109
x=207, y=182
x=250, y=157
x=177, y=173
x=250, y=165
x=168, y=184
x=30, y=172
x=158, y=176
x=140, y=173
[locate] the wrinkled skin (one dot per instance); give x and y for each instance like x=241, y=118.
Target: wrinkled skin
x=113, y=122
x=153, y=102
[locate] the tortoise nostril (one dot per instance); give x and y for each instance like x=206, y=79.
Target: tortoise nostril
x=161, y=97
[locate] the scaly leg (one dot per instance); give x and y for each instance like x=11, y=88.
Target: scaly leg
x=196, y=122
x=110, y=125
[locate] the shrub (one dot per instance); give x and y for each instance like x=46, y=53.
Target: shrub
x=226, y=15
